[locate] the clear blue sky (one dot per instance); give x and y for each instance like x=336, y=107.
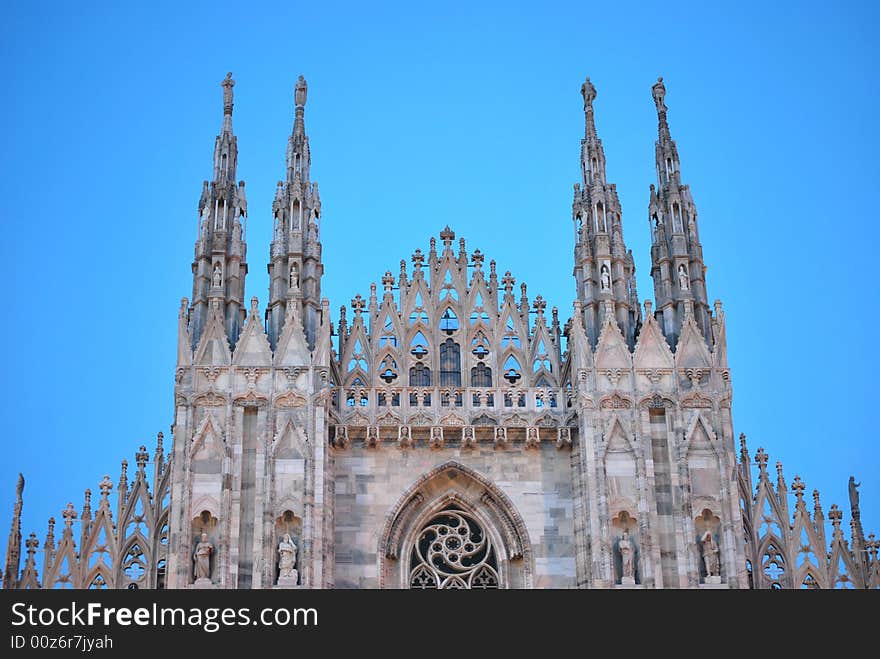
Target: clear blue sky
x=418, y=118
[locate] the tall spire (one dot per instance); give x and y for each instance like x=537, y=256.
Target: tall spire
x=677, y=266
x=295, y=266
x=13, y=547
x=219, y=266
x=604, y=269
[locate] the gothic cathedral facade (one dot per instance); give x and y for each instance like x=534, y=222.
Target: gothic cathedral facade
x=451, y=432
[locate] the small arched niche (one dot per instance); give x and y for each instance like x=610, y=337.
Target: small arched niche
x=625, y=534
x=708, y=543
x=205, y=523
x=287, y=526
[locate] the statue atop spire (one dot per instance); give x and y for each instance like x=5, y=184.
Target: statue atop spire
x=659, y=93
x=588, y=91
x=227, y=84
x=300, y=92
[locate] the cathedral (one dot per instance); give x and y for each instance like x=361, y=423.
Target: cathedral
x=447, y=429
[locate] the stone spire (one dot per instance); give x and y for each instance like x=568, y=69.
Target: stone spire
x=604, y=270
x=13, y=547
x=295, y=266
x=676, y=253
x=220, y=262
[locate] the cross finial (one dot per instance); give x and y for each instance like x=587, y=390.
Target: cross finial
x=388, y=281
x=798, y=486
x=478, y=259
x=447, y=236
x=540, y=304
x=31, y=543
x=358, y=304
x=418, y=258
x=69, y=514
x=508, y=281
x=141, y=457
x=106, y=485
x=761, y=459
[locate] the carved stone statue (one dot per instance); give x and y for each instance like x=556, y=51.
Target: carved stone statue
x=625, y=546
x=710, y=554
x=605, y=278
x=294, y=276
x=218, y=275
x=286, y=558
x=854, y=494
x=202, y=558
x=658, y=91
x=683, y=280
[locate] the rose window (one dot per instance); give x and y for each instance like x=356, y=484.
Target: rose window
x=453, y=551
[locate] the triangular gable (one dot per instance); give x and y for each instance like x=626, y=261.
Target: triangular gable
x=292, y=348
x=611, y=349
x=652, y=349
x=617, y=439
x=253, y=348
x=578, y=344
x=692, y=350
x=213, y=348
x=207, y=440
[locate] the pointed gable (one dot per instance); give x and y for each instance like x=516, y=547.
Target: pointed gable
x=293, y=348
x=692, y=351
x=652, y=349
x=213, y=348
x=253, y=348
x=611, y=349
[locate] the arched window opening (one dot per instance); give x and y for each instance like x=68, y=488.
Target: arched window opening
x=420, y=376
x=419, y=346
x=453, y=551
x=450, y=364
x=481, y=376
x=448, y=321
x=512, y=369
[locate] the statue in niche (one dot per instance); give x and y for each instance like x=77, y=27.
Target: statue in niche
x=605, y=278
x=468, y=432
x=218, y=275
x=710, y=554
x=202, y=558
x=287, y=558
x=294, y=277
x=683, y=280
x=626, y=556
x=854, y=495
x=499, y=434
x=533, y=433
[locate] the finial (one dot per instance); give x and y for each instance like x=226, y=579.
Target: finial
x=69, y=514
x=19, y=487
x=123, y=477
x=255, y=303
x=300, y=92
x=507, y=281
x=477, y=257
x=418, y=258
x=184, y=305
x=588, y=91
x=648, y=306
x=106, y=485
x=227, y=84
x=141, y=457
x=539, y=305
x=798, y=486
x=659, y=93
x=388, y=281
x=358, y=304
x=761, y=459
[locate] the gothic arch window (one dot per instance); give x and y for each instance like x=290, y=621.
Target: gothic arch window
x=512, y=369
x=450, y=364
x=420, y=376
x=481, y=376
x=419, y=345
x=453, y=551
